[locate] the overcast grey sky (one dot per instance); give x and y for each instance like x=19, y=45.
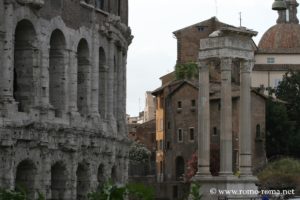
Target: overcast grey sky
x=153, y=50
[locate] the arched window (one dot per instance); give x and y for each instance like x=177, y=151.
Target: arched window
x=59, y=179
x=83, y=76
x=25, y=55
x=25, y=178
x=57, y=72
x=179, y=164
x=83, y=182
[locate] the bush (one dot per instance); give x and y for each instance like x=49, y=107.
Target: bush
x=281, y=174
x=111, y=191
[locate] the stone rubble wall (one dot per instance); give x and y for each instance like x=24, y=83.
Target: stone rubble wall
x=41, y=126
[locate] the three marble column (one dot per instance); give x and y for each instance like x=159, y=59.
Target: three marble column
x=226, y=118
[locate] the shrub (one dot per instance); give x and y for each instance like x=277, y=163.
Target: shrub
x=281, y=174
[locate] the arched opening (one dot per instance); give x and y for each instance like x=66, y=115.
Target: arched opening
x=100, y=175
x=57, y=74
x=59, y=179
x=114, y=174
x=25, y=178
x=83, y=76
x=83, y=181
x=25, y=55
x=179, y=167
x=102, y=82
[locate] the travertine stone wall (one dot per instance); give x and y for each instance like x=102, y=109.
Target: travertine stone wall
x=62, y=96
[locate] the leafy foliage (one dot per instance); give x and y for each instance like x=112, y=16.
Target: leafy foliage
x=186, y=71
x=289, y=91
x=111, y=191
x=195, y=192
x=11, y=195
x=281, y=174
x=279, y=128
x=139, y=153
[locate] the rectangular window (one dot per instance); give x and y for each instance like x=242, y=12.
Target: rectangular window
x=168, y=145
x=169, y=125
x=179, y=135
x=192, y=134
x=215, y=131
x=270, y=60
x=179, y=104
x=193, y=103
x=161, y=144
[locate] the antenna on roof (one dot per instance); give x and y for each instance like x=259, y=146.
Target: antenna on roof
x=216, y=5
x=240, y=15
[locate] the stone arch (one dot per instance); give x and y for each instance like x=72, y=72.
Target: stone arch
x=100, y=175
x=83, y=76
x=59, y=179
x=179, y=167
x=102, y=81
x=25, y=56
x=83, y=181
x=57, y=72
x=26, y=177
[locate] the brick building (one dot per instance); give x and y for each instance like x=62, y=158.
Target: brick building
x=177, y=114
x=63, y=95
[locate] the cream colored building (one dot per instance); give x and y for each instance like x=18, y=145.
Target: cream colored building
x=279, y=49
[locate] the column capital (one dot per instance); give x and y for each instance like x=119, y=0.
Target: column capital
x=247, y=66
x=203, y=64
x=226, y=63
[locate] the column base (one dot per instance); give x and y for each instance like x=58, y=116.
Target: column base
x=222, y=187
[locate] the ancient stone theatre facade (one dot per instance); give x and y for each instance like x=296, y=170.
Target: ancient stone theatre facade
x=62, y=95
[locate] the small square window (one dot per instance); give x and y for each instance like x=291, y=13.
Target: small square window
x=270, y=60
x=179, y=104
x=193, y=103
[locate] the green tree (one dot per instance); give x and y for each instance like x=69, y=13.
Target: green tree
x=186, y=71
x=279, y=129
x=289, y=91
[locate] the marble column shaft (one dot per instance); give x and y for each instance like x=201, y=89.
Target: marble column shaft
x=245, y=119
x=226, y=118
x=203, y=121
